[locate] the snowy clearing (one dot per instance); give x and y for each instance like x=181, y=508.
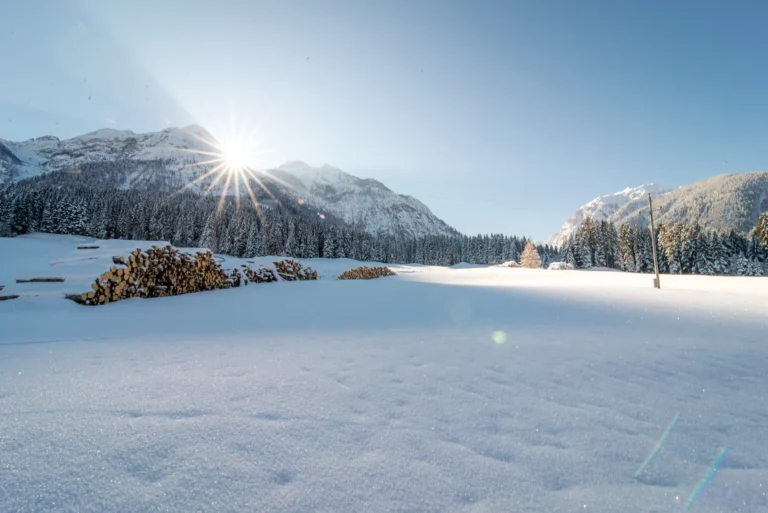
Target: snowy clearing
x=397, y=394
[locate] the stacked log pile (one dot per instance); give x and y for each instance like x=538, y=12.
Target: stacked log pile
x=165, y=271
x=291, y=270
x=260, y=275
x=159, y=272
x=39, y=280
x=366, y=273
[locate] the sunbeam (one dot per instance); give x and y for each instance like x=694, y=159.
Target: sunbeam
x=235, y=160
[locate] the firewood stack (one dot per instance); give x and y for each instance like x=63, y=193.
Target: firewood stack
x=260, y=275
x=159, y=272
x=366, y=273
x=287, y=270
x=291, y=270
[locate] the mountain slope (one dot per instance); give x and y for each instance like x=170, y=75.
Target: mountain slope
x=721, y=203
x=176, y=146
x=366, y=203
x=606, y=207
x=363, y=202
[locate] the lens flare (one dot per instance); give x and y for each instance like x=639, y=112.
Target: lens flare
x=707, y=478
x=657, y=448
x=499, y=337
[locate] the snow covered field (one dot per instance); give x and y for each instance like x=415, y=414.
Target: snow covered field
x=456, y=390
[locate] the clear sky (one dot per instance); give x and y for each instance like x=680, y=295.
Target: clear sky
x=502, y=116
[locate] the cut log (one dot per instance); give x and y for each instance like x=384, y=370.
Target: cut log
x=39, y=280
x=88, y=247
x=8, y=296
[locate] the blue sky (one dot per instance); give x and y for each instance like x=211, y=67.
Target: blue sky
x=501, y=116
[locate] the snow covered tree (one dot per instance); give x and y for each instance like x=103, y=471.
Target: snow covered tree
x=670, y=243
x=626, y=248
x=329, y=246
x=761, y=230
x=291, y=248
x=530, y=257
x=567, y=251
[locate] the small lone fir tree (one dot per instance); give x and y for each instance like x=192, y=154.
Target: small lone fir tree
x=530, y=257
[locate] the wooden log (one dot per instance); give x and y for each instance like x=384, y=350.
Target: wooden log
x=8, y=297
x=88, y=247
x=39, y=280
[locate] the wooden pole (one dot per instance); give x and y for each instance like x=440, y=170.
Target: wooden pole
x=656, y=283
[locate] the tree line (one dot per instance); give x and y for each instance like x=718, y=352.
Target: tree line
x=683, y=248
x=96, y=203
x=67, y=204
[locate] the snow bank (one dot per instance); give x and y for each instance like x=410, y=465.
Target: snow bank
x=461, y=390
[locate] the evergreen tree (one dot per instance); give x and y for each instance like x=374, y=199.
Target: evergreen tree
x=290, y=242
x=590, y=238
x=581, y=248
x=567, y=251
x=210, y=236
x=626, y=248
x=530, y=257
x=761, y=231
x=329, y=247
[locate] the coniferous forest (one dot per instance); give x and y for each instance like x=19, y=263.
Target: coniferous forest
x=93, y=203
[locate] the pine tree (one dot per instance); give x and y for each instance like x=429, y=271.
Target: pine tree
x=530, y=257
x=290, y=242
x=567, y=251
x=626, y=248
x=741, y=265
x=581, y=248
x=601, y=245
x=590, y=238
x=670, y=244
x=77, y=219
x=240, y=240
x=210, y=237
x=329, y=246
x=761, y=231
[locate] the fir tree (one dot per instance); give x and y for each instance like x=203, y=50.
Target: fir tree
x=530, y=257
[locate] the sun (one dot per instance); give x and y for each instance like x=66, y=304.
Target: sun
x=230, y=163
x=235, y=155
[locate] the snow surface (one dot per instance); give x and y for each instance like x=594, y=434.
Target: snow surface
x=383, y=395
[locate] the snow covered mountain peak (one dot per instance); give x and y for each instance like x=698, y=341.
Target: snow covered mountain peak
x=363, y=202
x=105, y=133
x=626, y=195
x=605, y=207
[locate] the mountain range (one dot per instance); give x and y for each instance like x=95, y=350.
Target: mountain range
x=185, y=152
x=720, y=203
x=176, y=158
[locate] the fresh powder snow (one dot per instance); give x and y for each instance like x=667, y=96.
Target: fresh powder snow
x=472, y=389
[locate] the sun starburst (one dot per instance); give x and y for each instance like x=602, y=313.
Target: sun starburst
x=225, y=165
